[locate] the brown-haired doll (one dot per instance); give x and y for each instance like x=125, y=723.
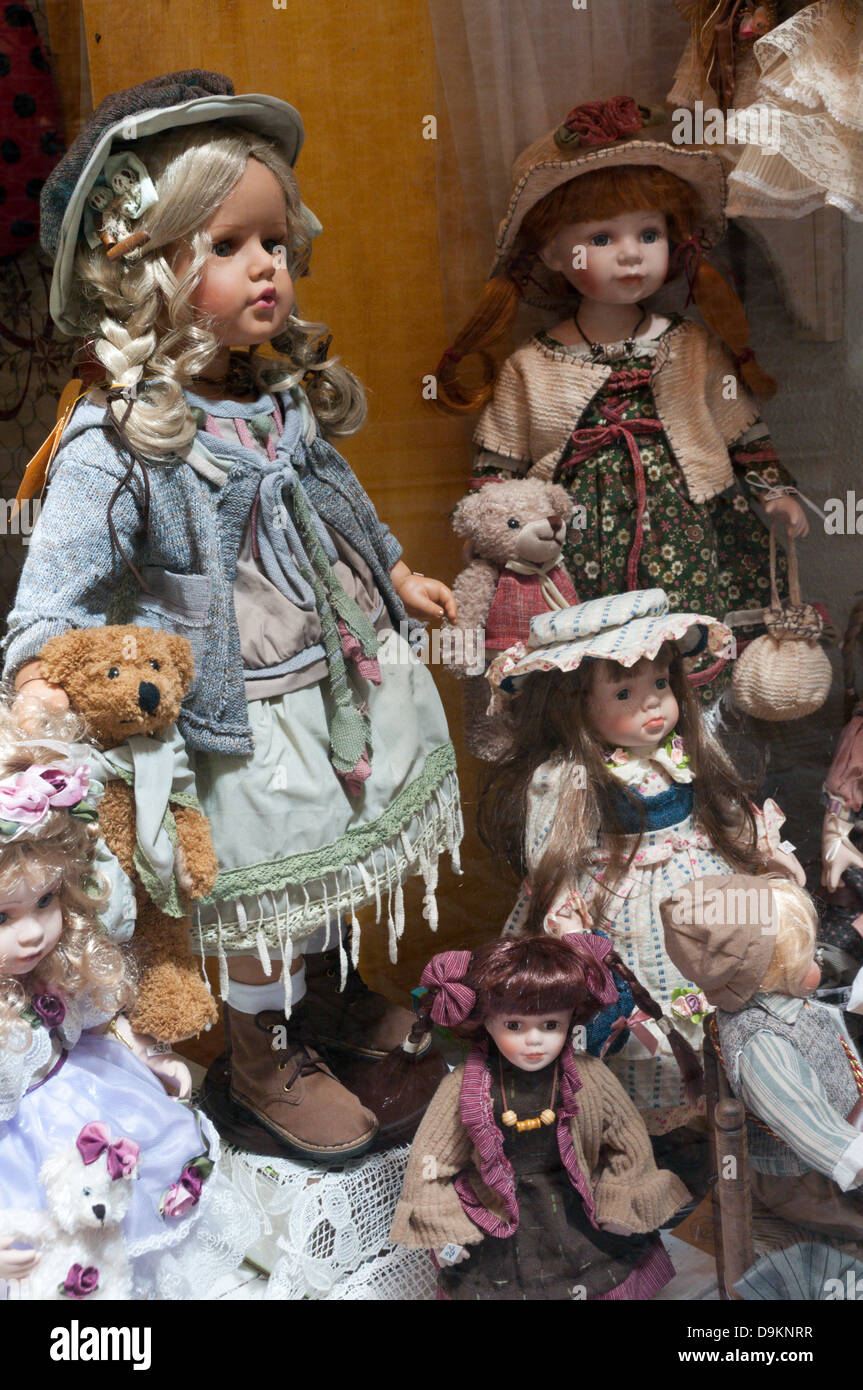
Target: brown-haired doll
x=615, y=794
x=532, y=1174
x=649, y=422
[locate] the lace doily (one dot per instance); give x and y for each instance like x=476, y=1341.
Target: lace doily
x=398, y=1276
x=326, y=1226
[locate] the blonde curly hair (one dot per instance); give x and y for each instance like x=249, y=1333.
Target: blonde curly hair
x=135, y=312
x=797, y=929
x=57, y=849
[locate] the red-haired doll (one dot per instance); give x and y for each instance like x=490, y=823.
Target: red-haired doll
x=532, y=1174
x=649, y=422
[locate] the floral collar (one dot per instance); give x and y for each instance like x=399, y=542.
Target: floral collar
x=630, y=767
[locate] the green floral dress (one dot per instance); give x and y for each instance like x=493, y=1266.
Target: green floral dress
x=710, y=557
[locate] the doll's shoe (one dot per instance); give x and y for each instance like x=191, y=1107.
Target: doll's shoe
x=398, y=1100
x=355, y=1020
x=287, y=1088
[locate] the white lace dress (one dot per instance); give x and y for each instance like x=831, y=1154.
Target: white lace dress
x=672, y=852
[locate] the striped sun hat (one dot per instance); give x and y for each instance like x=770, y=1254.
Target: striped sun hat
x=621, y=627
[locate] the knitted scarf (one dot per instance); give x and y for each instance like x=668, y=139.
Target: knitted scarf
x=288, y=539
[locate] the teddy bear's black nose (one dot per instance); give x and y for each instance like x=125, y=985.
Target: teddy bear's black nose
x=148, y=697
x=99, y=1212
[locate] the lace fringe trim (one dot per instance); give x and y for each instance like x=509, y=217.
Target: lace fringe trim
x=275, y=919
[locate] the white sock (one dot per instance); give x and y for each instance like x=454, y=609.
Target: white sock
x=253, y=999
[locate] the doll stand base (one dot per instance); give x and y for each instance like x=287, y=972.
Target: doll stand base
x=329, y=1227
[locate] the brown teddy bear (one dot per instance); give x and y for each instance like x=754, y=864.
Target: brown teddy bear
x=516, y=529
x=128, y=684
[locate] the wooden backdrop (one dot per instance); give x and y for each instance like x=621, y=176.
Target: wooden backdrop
x=362, y=74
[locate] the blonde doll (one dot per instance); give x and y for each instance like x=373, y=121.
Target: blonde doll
x=200, y=494
x=614, y=794
x=749, y=943
x=71, y=1069
x=647, y=420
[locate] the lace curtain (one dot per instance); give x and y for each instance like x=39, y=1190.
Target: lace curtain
x=508, y=71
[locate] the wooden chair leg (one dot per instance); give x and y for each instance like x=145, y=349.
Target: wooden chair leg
x=735, y=1198
x=711, y=1088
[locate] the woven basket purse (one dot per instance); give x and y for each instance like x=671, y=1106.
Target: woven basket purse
x=785, y=674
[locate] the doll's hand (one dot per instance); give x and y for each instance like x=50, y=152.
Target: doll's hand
x=614, y=1228
x=173, y=1074
x=781, y=862
x=788, y=510
x=16, y=1264
x=29, y=685
x=452, y=1254
x=427, y=598
x=837, y=853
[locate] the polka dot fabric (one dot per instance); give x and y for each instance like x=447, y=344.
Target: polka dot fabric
x=30, y=139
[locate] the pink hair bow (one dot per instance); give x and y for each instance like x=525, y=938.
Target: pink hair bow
x=597, y=948
x=455, y=1000
x=30, y=795
x=95, y=1139
x=636, y=1025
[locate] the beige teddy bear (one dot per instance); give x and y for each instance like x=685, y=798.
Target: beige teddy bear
x=516, y=529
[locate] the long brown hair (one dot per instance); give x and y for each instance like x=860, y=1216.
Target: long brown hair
x=551, y=722
x=464, y=387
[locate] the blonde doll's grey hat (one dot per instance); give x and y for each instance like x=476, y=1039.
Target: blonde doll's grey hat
x=623, y=628
x=162, y=103
x=604, y=135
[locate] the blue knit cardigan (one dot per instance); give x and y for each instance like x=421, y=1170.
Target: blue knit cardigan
x=74, y=576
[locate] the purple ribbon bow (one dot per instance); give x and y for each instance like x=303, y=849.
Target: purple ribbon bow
x=95, y=1139
x=445, y=973
x=597, y=948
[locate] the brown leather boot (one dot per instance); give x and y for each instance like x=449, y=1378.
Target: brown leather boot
x=291, y=1092
x=355, y=1020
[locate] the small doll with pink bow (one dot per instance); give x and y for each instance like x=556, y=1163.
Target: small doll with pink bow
x=532, y=1174
x=93, y=1150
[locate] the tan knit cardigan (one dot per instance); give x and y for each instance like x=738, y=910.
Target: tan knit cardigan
x=627, y=1186
x=543, y=391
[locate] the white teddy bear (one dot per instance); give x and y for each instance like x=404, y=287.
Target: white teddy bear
x=82, y=1250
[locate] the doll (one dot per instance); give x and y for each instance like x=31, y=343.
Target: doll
x=532, y=1173
x=648, y=421
x=749, y=943
x=74, y=1078
x=614, y=794
x=199, y=493
x=843, y=786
